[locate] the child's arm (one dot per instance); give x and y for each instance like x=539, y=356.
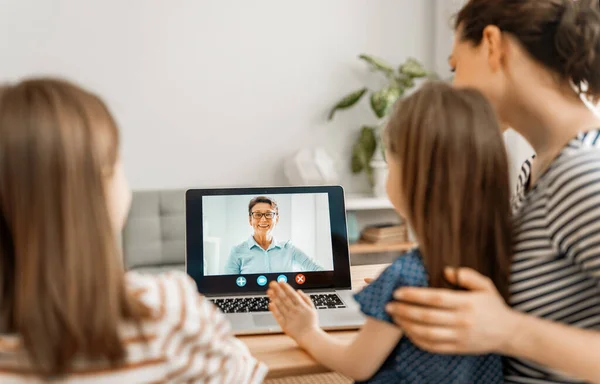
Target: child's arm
x=359, y=359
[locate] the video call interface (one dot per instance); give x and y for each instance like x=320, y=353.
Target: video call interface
x=266, y=234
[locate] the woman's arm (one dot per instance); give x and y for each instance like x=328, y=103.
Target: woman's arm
x=359, y=359
x=446, y=321
x=568, y=349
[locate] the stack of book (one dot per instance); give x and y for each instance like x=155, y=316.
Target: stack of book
x=385, y=234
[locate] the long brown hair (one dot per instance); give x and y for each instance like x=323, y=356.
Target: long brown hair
x=454, y=180
x=562, y=35
x=62, y=282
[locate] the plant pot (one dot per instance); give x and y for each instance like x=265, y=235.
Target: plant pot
x=380, y=172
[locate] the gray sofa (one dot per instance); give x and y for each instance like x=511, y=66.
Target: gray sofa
x=154, y=236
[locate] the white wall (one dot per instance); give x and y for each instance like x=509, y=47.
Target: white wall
x=216, y=92
x=303, y=220
x=443, y=30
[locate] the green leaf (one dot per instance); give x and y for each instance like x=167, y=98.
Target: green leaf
x=383, y=100
x=377, y=64
x=368, y=140
x=358, y=157
x=412, y=68
x=363, y=150
x=348, y=101
x=404, y=81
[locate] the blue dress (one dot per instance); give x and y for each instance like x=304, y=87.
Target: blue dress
x=408, y=363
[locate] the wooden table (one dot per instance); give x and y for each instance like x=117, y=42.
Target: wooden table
x=283, y=356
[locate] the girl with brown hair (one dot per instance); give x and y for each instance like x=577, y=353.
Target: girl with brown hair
x=68, y=311
x=535, y=60
x=448, y=176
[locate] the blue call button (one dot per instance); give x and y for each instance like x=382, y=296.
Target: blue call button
x=282, y=279
x=240, y=281
x=261, y=280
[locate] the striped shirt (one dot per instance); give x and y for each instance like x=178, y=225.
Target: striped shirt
x=188, y=341
x=556, y=266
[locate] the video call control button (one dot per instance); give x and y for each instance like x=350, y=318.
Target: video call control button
x=261, y=280
x=282, y=279
x=240, y=281
x=300, y=279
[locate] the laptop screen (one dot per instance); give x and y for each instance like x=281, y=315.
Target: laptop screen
x=238, y=240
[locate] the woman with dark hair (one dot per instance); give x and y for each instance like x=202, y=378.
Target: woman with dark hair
x=68, y=310
x=534, y=60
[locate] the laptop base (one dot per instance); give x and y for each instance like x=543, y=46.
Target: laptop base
x=329, y=319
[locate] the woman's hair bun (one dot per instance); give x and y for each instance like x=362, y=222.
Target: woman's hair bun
x=578, y=45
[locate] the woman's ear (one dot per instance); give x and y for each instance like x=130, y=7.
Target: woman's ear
x=492, y=41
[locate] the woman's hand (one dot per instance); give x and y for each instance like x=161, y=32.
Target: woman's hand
x=446, y=321
x=293, y=310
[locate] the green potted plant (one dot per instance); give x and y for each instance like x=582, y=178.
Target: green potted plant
x=367, y=153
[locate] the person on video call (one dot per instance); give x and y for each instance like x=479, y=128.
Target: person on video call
x=261, y=253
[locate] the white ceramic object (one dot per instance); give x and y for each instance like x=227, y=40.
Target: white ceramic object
x=380, y=169
x=380, y=172
x=311, y=166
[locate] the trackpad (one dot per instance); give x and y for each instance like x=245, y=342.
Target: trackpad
x=264, y=320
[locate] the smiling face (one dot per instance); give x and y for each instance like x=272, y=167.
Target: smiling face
x=262, y=225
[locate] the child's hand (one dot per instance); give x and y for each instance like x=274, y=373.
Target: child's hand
x=294, y=311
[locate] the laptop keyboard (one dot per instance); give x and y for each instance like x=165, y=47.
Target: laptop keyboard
x=260, y=304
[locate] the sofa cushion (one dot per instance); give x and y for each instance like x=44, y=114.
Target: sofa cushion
x=154, y=234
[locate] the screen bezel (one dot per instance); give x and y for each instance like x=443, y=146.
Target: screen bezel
x=339, y=278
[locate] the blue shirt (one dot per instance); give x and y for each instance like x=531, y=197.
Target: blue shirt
x=408, y=363
x=249, y=257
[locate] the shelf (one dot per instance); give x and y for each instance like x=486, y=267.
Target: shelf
x=367, y=202
x=364, y=247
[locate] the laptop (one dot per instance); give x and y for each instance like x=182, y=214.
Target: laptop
x=238, y=240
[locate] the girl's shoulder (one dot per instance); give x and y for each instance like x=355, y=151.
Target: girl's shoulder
x=411, y=258
x=169, y=296
x=408, y=269
x=187, y=327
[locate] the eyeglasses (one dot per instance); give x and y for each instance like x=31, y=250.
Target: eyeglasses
x=259, y=215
